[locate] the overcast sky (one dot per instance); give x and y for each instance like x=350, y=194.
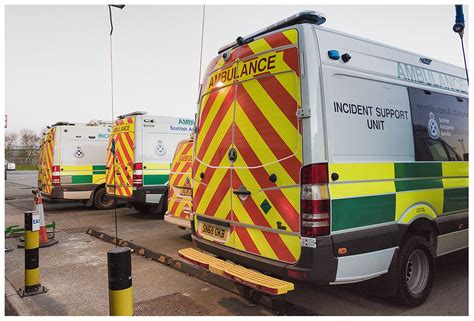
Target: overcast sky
x=57, y=57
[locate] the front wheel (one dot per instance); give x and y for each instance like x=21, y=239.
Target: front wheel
x=415, y=269
x=102, y=201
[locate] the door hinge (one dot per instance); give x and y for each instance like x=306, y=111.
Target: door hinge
x=303, y=113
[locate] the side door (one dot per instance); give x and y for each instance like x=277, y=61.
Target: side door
x=267, y=144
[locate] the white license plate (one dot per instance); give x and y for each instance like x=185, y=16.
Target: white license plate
x=213, y=231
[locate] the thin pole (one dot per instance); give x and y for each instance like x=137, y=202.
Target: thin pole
x=202, y=40
x=464, y=56
x=113, y=119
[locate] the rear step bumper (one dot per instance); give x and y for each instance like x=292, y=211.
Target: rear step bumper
x=318, y=265
x=186, y=223
x=69, y=191
x=145, y=195
x=237, y=273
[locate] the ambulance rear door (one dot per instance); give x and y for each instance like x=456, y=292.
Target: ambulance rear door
x=119, y=167
x=249, y=149
x=180, y=187
x=45, y=171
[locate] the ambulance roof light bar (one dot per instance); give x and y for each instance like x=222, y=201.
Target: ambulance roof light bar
x=135, y=113
x=307, y=16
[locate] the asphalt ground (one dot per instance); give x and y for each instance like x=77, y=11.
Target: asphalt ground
x=75, y=270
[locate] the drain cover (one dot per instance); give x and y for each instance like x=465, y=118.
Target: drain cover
x=172, y=304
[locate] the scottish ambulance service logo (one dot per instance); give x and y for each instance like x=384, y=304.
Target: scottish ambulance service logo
x=433, y=128
x=160, y=149
x=78, y=153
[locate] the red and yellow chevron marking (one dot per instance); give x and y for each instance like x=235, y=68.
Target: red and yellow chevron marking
x=180, y=187
x=250, y=104
x=46, y=162
x=119, y=173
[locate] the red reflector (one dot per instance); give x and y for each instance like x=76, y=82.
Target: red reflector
x=315, y=231
x=298, y=275
x=137, y=166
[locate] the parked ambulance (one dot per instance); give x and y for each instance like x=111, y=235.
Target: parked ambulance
x=71, y=163
x=328, y=158
x=180, y=188
x=139, y=158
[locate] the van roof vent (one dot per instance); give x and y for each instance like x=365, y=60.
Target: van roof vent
x=63, y=123
x=135, y=113
x=307, y=16
x=98, y=122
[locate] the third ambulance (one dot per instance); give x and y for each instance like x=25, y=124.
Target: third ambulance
x=180, y=188
x=328, y=158
x=71, y=163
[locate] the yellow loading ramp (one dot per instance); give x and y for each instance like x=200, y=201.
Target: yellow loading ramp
x=237, y=273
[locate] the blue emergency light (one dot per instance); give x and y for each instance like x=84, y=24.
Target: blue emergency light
x=334, y=54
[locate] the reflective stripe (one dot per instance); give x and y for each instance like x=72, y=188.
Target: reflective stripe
x=45, y=162
x=32, y=277
x=265, y=134
x=121, y=302
x=179, y=205
x=119, y=174
x=421, y=189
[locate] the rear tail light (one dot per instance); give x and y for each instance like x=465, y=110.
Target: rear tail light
x=138, y=175
x=56, y=179
x=315, y=202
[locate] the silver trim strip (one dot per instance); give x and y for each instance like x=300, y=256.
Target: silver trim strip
x=452, y=242
x=360, y=267
x=366, y=227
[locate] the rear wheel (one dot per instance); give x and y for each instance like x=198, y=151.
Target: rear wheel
x=102, y=201
x=415, y=267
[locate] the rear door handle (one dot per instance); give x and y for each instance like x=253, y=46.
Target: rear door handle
x=239, y=192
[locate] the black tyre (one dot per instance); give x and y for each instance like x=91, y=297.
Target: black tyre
x=102, y=201
x=141, y=207
x=157, y=210
x=415, y=270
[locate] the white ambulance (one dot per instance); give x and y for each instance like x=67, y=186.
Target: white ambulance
x=328, y=158
x=71, y=163
x=139, y=158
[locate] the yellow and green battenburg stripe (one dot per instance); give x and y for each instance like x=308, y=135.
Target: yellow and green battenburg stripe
x=156, y=173
x=375, y=193
x=84, y=174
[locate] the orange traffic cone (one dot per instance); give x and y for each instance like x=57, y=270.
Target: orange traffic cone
x=43, y=235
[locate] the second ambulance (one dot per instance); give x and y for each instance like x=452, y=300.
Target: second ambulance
x=139, y=158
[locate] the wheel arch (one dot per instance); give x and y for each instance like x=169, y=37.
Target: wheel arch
x=425, y=227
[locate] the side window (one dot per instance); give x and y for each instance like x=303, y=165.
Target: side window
x=453, y=156
x=437, y=150
x=440, y=126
